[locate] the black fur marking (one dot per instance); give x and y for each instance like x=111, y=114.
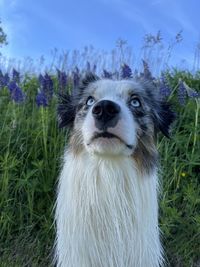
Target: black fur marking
x=138, y=112
x=69, y=103
x=164, y=117
x=106, y=114
x=66, y=110
x=161, y=111
x=89, y=78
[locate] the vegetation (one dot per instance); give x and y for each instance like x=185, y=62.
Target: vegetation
x=3, y=36
x=31, y=147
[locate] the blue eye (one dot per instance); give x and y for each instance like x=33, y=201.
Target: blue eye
x=135, y=102
x=90, y=101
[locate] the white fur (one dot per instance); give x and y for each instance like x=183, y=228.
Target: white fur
x=107, y=210
x=126, y=128
x=106, y=214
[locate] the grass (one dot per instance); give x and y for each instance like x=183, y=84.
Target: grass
x=31, y=147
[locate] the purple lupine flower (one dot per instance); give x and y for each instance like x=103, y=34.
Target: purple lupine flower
x=182, y=93
x=15, y=76
x=76, y=77
x=106, y=74
x=164, y=89
x=126, y=72
x=191, y=93
x=62, y=79
x=46, y=85
x=6, y=79
x=16, y=92
x=11, y=86
x=41, y=99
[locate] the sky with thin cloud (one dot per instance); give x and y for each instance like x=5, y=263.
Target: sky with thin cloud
x=34, y=28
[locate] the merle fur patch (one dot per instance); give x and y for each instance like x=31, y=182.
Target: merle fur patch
x=66, y=110
x=89, y=78
x=164, y=117
x=69, y=103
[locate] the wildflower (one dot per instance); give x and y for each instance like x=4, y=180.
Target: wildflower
x=4, y=79
x=76, y=77
x=191, y=92
x=146, y=72
x=12, y=86
x=183, y=174
x=182, y=93
x=165, y=90
x=106, y=74
x=15, y=76
x=179, y=37
x=120, y=43
x=41, y=99
x=126, y=71
x=62, y=79
x=46, y=84
x=16, y=92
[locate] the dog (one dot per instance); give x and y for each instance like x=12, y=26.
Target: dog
x=107, y=200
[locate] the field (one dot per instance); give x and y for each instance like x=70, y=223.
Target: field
x=31, y=146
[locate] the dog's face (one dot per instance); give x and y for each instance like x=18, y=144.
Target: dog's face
x=115, y=117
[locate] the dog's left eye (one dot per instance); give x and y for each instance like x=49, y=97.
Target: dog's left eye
x=90, y=101
x=135, y=102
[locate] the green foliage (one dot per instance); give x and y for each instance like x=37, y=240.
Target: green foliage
x=31, y=147
x=180, y=201
x=3, y=36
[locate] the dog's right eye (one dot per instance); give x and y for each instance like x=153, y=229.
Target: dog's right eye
x=90, y=101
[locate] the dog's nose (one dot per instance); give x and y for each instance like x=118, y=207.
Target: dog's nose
x=106, y=113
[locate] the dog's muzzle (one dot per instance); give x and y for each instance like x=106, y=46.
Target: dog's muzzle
x=106, y=114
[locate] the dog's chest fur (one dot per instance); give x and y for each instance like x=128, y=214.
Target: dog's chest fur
x=106, y=214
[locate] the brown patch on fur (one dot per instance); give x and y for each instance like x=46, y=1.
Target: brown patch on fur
x=145, y=154
x=76, y=142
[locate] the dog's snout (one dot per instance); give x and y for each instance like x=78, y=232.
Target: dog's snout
x=106, y=113
x=105, y=109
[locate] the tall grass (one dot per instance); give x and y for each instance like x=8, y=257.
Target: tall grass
x=31, y=146
x=155, y=50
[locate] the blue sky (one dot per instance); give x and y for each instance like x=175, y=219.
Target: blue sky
x=35, y=27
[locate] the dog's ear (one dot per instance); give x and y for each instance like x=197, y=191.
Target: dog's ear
x=68, y=102
x=163, y=117
x=89, y=78
x=66, y=110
